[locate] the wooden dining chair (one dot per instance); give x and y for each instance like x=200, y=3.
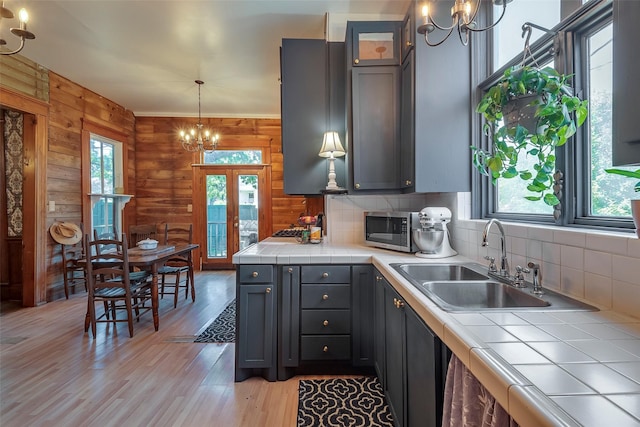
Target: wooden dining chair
x=111, y=283
x=72, y=265
x=141, y=232
x=110, y=234
x=178, y=234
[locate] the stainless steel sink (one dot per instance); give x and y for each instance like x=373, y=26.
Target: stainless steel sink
x=474, y=295
x=465, y=287
x=433, y=272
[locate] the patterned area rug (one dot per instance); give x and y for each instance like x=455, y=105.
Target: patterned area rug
x=343, y=402
x=223, y=329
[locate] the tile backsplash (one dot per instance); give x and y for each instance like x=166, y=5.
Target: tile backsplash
x=601, y=268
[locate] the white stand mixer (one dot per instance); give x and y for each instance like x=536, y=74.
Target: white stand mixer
x=433, y=238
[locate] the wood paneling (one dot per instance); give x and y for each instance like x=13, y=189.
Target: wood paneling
x=23, y=75
x=164, y=173
x=72, y=108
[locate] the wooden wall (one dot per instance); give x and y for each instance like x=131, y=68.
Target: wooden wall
x=164, y=172
x=70, y=105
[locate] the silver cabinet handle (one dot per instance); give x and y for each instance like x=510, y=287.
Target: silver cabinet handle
x=325, y=275
x=254, y=274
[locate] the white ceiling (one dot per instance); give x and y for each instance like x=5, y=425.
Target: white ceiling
x=146, y=54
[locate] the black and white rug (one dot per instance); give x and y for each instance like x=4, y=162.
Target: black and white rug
x=343, y=402
x=223, y=329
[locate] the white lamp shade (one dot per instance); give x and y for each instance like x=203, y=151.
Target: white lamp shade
x=331, y=146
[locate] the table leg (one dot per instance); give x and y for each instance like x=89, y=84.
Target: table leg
x=154, y=295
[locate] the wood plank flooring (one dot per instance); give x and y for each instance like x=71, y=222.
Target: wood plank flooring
x=53, y=374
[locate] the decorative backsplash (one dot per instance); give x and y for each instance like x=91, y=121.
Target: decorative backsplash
x=14, y=155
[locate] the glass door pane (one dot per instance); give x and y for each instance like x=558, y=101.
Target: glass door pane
x=248, y=209
x=216, y=190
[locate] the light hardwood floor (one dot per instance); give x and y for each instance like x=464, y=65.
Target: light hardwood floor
x=54, y=374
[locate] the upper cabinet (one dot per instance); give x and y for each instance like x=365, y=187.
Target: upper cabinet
x=374, y=43
x=435, y=115
x=312, y=102
x=373, y=105
x=408, y=36
x=626, y=91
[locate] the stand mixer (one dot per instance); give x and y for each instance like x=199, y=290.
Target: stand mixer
x=433, y=237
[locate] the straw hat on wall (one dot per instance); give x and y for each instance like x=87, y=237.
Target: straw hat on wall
x=65, y=233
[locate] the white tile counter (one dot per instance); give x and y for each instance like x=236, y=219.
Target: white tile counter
x=546, y=368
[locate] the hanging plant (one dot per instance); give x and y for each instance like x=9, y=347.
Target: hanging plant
x=529, y=112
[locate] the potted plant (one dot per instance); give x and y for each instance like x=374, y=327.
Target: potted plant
x=635, y=203
x=529, y=111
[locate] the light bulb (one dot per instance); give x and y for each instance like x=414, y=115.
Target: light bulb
x=23, y=15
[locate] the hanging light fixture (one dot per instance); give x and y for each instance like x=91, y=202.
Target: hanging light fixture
x=199, y=138
x=463, y=16
x=21, y=32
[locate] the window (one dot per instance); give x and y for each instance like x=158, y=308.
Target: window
x=591, y=197
x=106, y=180
x=233, y=157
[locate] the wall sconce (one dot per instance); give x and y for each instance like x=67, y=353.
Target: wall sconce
x=332, y=148
x=463, y=15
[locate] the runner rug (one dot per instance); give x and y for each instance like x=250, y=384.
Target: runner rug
x=343, y=402
x=223, y=329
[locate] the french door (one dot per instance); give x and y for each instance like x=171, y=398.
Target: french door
x=229, y=208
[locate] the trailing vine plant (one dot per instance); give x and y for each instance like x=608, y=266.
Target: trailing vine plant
x=556, y=114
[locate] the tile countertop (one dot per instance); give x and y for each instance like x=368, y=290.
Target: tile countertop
x=546, y=368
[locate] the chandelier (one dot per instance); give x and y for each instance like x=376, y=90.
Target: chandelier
x=21, y=32
x=199, y=138
x=463, y=15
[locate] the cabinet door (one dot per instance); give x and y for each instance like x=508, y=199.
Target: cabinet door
x=407, y=140
x=394, y=357
x=256, y=326
x=289, y=337
x=379, y=328
x=408, y=34
x=362, y=314
x=304, y=110
x=375, y=43
x=424, y=402
x=626, y=132
x=376, y=131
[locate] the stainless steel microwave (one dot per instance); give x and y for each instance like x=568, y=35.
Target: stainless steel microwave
x=391, y=230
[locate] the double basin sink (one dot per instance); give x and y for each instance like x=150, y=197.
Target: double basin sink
x=464, y=287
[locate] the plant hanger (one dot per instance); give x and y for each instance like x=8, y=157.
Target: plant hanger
x=527, y=29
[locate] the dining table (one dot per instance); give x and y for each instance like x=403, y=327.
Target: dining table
x=151, y=260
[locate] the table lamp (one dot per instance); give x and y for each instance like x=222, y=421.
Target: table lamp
x=332, y=148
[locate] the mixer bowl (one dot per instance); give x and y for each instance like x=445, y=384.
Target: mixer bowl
x=429, y=241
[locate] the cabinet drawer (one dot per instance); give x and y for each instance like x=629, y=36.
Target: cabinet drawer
x=326, y=274
x=255, y=274
x=326, y=322
x=325, y=347
x=326, y=296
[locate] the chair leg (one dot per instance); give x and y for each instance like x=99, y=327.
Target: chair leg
x=130, y=316
x=162, y=287
x=92, y=317
x=192, y=282
x=177, y=290
x=66, y=285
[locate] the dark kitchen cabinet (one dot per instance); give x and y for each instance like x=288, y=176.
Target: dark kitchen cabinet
x=375, y=102
x=289, y=321
x=256, y=297
x=373, y=106
x=362, y=296
x=408, y=36
x=312, y=102
x=413, y=356
x=626, y=132
x=374, y=43
x=407, y=136
x=435, y=131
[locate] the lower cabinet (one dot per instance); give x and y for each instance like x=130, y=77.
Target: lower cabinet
x=256, y=296
x=409, y=360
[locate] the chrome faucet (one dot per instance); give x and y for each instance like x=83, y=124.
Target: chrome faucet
x=537, y=279
x=504, y=264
